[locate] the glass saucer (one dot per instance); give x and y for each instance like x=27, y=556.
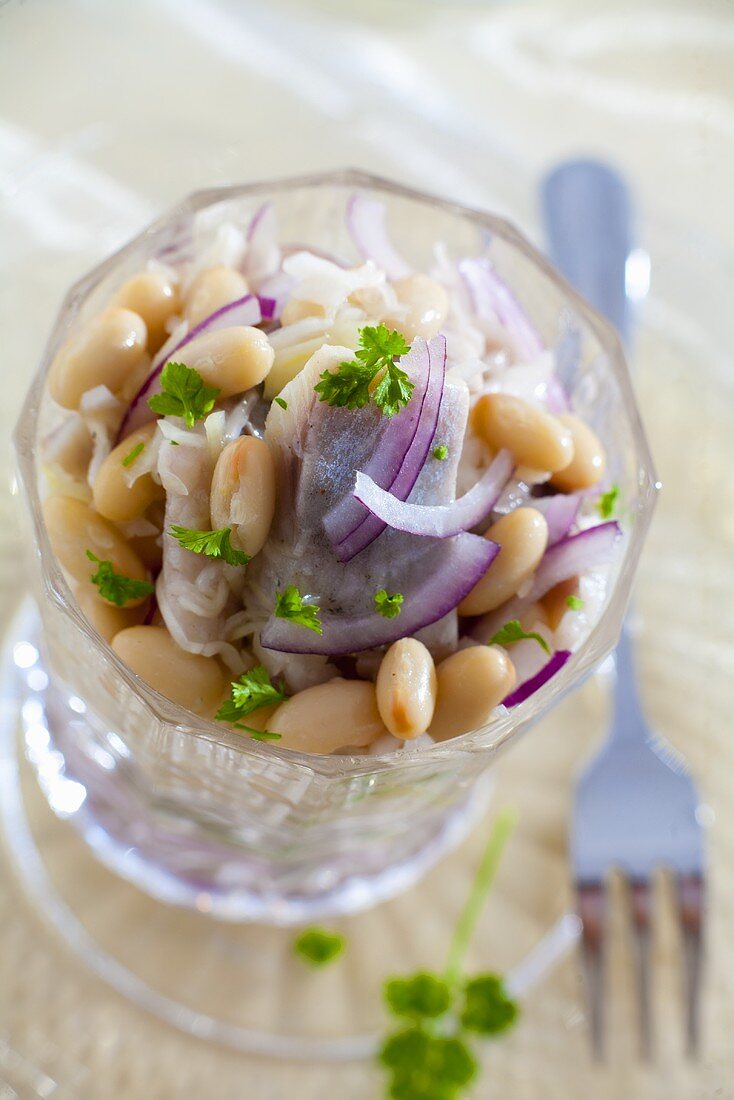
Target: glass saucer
x=240, y=984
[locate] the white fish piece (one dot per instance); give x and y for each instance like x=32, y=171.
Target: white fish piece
x=317, y=451
x=195, y=594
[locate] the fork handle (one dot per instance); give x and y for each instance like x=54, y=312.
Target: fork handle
x=629, y=722
x=588, y=215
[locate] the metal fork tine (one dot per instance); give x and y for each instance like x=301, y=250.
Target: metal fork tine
x=591, y=901
x=690, y=891
x=640, y=895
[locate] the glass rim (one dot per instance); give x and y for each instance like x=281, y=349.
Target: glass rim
x=487, y=738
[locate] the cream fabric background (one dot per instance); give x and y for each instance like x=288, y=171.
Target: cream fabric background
x=109, y=112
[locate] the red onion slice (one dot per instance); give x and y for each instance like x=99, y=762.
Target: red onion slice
x=366, y=225
x=556, y=397
x=249, y=310
x=560, y=511
x=572, y=556
x=467, y=559
x=278, y=289
x=549, y=669
x=262, y=258
x=492, y=299
x=371, y=527
x=390, y=454
x=438, y=520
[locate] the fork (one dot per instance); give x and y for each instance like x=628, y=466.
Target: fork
x=636, y=807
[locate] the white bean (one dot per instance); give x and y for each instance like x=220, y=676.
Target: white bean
x=406, y=688
x=328, y=717
x=471, y=683
x=243, y=492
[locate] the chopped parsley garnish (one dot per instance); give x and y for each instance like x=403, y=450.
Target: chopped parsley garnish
x=115, y=587
x=183, y=394
x=349, y=386
x=134, y=453
x=574, y=602
x=607, y=503
x=441, y=452
x=513, y=632
x=281, y=401
x=214, y=544
x=319, y=947
x=388, y=606
x=253, y=690
x=430, y=1055
x=289, y=604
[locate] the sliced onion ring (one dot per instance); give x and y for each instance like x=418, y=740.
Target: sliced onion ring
x=366, y=225
x=247, y=311
x=549, y=669
x=438, y=520
x=560, y=511
x=467, y=559
x=493, y=299
x=572, y=556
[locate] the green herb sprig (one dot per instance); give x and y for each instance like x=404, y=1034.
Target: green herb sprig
x=183, y=394
x=513, y=632
x=319, y=947
x=133, y=454
x=290, y=604
x=430, y=1055
x=350, y=385
x=608, y=502
x=213, y=544
x=389, y=606
x=115, y=587
x=253, y=690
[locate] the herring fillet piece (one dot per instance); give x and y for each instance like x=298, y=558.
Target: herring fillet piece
x=194, y=593
x=317, y=451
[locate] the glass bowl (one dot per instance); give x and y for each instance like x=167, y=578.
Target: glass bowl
x=199, y=816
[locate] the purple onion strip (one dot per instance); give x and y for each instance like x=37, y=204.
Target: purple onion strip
x=466, y=560
x=439, y=520
x=366, y=225
x=243, y=311
x=549, y=669
x=560, y=511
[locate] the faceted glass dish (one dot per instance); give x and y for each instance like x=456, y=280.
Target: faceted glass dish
x=189, y=810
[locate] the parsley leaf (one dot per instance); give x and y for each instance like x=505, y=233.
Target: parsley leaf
x=134, y=453
x=253, y=690
x=513, y=632
x=426, y=1066
x=420, y=996
x=289, y=604
x=574, y=602
x=393, y=391
x=183, y=394
x=349, y=385
x=214, y=544
x=607, y=503
x=115, y=587
x=281, y=401
x=388, y=606
x=441, y=452
x=318, y=947
x=432, y=1058
x=488, y=1008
